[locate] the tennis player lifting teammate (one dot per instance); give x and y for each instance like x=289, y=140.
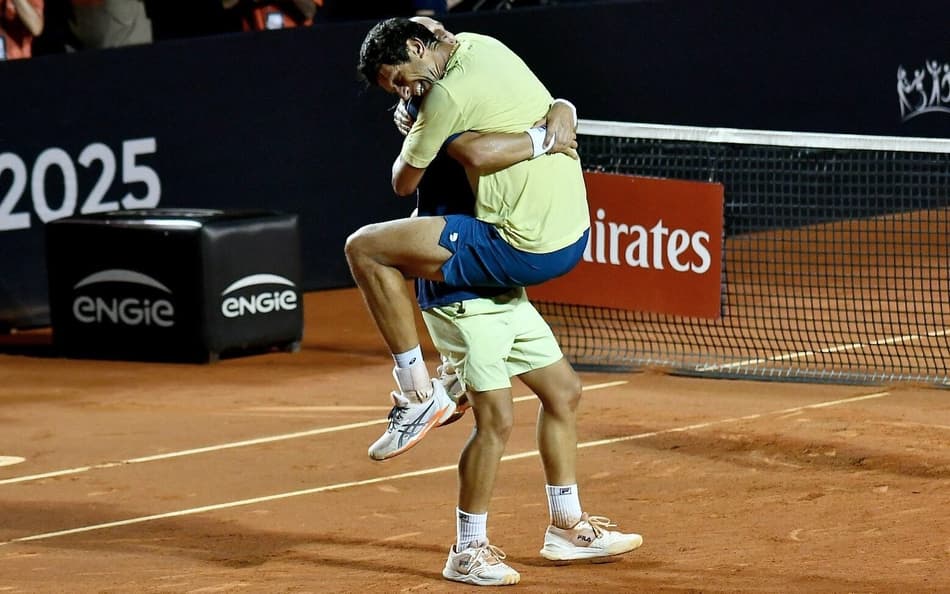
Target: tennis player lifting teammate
x=489, y=339
x=531, y=219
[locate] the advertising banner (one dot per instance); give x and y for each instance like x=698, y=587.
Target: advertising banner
x=655, y=245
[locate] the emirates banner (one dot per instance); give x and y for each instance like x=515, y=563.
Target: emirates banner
x=655, y=245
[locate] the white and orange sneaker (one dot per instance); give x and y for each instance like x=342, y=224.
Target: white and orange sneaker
x=455, y=388
x=589, y=538
x=481, y=564
x=412, y=416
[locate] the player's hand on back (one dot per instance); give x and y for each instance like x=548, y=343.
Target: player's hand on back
x=561, y=127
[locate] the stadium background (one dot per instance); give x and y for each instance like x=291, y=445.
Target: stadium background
x=278, y=119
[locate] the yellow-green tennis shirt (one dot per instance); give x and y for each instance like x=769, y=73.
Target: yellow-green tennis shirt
x=538, y=205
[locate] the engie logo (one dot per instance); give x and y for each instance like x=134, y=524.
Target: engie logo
x=655, y=245
x=258, y=301
x=136, y=304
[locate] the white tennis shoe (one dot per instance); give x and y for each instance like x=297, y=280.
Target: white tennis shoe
x=411, y=420
x=481, y=564
x=455, y=388
x=587, y=539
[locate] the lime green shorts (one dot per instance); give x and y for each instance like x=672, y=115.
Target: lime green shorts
x=490, y=340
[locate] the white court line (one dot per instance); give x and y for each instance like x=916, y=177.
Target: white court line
x=417, y=473
x=241, y=444
x=832, y=349
x=283, y=409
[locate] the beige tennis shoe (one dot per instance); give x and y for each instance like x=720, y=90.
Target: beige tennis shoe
x=481, y=564
x=589, y=538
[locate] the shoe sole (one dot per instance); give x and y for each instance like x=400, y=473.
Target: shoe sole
x=579, y=553
x=508, y=580
x=458, y=414
x=433, y=422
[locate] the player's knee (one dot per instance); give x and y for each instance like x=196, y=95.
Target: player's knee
x=504, y=425
x=358, y=244
x=573, y=391
x=495, y=423
x=498, y=428
x=565, y=398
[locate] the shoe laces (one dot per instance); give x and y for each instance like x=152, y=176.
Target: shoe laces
x=489, y=554
x=395, y=416
x=446, y=368
x=445, y=371
x=599, y=524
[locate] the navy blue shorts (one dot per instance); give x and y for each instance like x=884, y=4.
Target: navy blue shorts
x=481, y=258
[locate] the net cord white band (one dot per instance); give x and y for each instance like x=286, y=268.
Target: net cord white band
x=764, y=137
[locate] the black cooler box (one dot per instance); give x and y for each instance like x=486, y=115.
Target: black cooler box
x=174, y=285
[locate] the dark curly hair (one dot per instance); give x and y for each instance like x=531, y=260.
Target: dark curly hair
x=385, y=44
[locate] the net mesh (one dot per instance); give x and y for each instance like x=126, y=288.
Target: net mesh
x=835, y=265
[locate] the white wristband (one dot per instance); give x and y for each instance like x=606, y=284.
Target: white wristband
x=569, y=104
x=537, y=135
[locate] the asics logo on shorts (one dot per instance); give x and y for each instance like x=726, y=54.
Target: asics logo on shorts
x=453, y=237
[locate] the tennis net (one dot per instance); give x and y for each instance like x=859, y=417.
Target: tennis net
x=835, y=257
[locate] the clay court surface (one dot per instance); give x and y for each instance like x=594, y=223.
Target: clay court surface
x=251, y=475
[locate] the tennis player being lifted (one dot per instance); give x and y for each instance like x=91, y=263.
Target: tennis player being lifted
x=477, y=84
x=531, y=219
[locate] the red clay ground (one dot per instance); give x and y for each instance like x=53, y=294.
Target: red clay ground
x=737, y=486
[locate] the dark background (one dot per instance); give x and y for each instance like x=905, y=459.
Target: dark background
x=278, y=120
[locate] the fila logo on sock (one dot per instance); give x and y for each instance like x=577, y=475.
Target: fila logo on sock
x=564, y=491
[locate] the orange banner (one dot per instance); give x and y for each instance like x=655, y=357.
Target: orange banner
x=655, y=245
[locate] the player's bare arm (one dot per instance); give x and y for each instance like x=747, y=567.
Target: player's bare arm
x=487, y=153
x=406, y=178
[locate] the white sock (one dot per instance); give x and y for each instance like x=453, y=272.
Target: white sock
x=410, y=357
x=470, y=528
x=564, y=503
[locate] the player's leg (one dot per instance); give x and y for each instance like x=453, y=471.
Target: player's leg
x=572, y=534
x=379, y=256
x=478, y=463
x=559, y=388
x=476, y=336
x=473, y=560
